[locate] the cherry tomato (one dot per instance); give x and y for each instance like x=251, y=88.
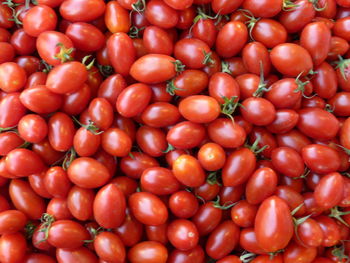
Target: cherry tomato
x=12, y=247
x=148, y=252
x=183, y=234
x=109, y=247
x=160, y=14
x=188, y=171
x=39, y=19
x=81, y=10
x=329, y=191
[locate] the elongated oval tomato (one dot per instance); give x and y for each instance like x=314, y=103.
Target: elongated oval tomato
x=39, y=19
x=159, y=181
x=75, y=255
x=187, y=165
x=183, y=234
x=160, y=14
x=61, y=132
x=157, y=41
x=109, y=247
x=273, y=224
x=148, y=208
x=109, y=206
x=12, y=247
x=121, y=52
x=80, y=202
x=12, y=110
x=287, y=161
x=12, y=221
x=117, y=18
x=153, y=68
x=186, y=135
x=329, y=191
x=82, y=10
x=12, y=77
x=148, y=252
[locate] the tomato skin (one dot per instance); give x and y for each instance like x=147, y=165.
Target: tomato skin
x=187, y=165
x=292, y=197
x=32, y=128
x=9, y=141
x=329, y=191
x=12, y=110
x=330, y=229
x=284, y=94
x=85, y=142
x=287, y=161
x=160, y=14
x=81, y=10
x=60, y=77
x=160, y=114
x=310, y=38
x=152, y=141
x=153, y=68
x=134, y=167
x=23, y=162
x=325, y=82
x=310, y=233
x=148, y=252
x=12, y=221
x=39, y=19
x=79, y=255
x=275, y=213
x=340, y=102
x=5, y=17
x=207, y=218
x=157, y=233
x=183, y=204
x=183, y=234
x=284, y=54
x=233, y=32
x=130, y=231
x=225, y=7
x=61, y=132
x=12, y=77
x=344, y=131
x=317, y=157
x=7, y=52
x=26, y=200
x=211, y=156
x=253, y=54
x=85, y=37
x=258, y=111
x=243, y=213
x=263, y=8
x=117, y=18
x=109, y=247
x=295, y=252
x=12, y=247
x=226, y=133
x=101, y=113
x=222, y=84
x=247, y=241
x=341, y=28
x=148, y=208
x=238, y=168
x=47, y=47
x=285, y=121
x=157, y=41
x=87, y=172
x=38, y=258
x=186, y=135
x=261, y=184
x=317, y=123
x=80, y=203
x=58, y=239
x=159, y=181
x=121, y=52
x=111, y=87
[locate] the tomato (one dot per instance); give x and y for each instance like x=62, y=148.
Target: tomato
x=22, y=43
x=340, y=103
x=121, y=53
x=61, y=131
x=291, y=54
x=78, y=255
x=85, y=142
x=297, y=252
x=341, y=28
x=111, y=87
x=211, y=156
x=284, y=93
x=231, y=39
x=160, y=14
x=157, y=41
x=292, y=197
x=87, y=172
x=148, y=252
x=329, y=191
x=224, y=7
x=26, y=200
x=116, y=142
x=183, y=234
x=12, y=77
x=317, y=123
x=222, y=240
x=7, y=52
x=148, y=208
x=243, y=213
x=5, y=17
x=187, y=165
x=56, y=182
x=12, y=247
x=344, y=137
x=39, y=19
x=46, y=152
x=183, y=204
x=52, y=45
x=134, y=166
x=285, y=121
x=80, y=202
x=207, y=218
x=57, y=236
x=159, y=181
x=261, y=184
x=186, y=135
x=9, y=141
x=67, y=78
x=330, y=229
x=57, y=207
x=12, y=221
x=263, y=8
x=131, y=231
x=41, y=100
x=258, y=111
x=317, y=157
x=310, y=39
x=109, y=247
x=287, y=161
x=38, y=257
x=157, y=233
x=238, y=168
x=32, y=128
x=153, y=68
x=81, y=10
x=256, y=58
x=223, y=85
x=310, y=233
x=248, y=241
x=160, y=114
x=117, y=18
x=275, y=213
x=152, y=141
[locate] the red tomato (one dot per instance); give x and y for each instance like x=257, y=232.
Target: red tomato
x=211, y=156
x=274, y=213
x=12, y=247
x=195, y=255
x=329, y=191
x=159, y=181
x=341, y=28
x=8, y=142
x=82, y=10
x=258, y=111
x=152, y=141
x=207, y=218
x=80, y=202
x=12, y=77
x=188, y=171
x=131, y=231
x=148, y=252
x=186, y=135
x=117, y=18
x=183, y=234
x=160, y=14
x=39, y=19
x=243, y=213
x=116, y=142
x=85, y=142
x=160, y=114
x=310, y=233
x=80, y=255
x=157, y=41
x=287, y=161
x=300, y=253
x=330, y=229
x=32, y=128
x=12, y=221
x=61, y=131
x=183, y=204
x=109, y=247
x=256, y=58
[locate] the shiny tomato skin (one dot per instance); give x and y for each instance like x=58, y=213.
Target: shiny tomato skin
x=32, y=128
x=310, y=233
x=256, y=58
x=223, y=85
x=117, y=18
x=38, y=258
x=57, y=207
x=80, y=202
x=81, y=10
x=285, y=121
x=341, y=28
x=243, y=213
x=275, y=213
x=311, y=37
x=340, y=103
x=153, y=68
x=157, y=233
x=186, y=135
x=7, y=52
x=222, y=240
x=157, y=41
x=292, y=197
x=39, y=19
x=330, y=229
x=12, y=110
x=12, y=221
x=183, y=204
x=261, y=184
x=226, y=133
x=12, y=247
x=109, y=247
x=295, y=252
x=12, y=77
x=58, y=239
x=18, y=38
x=317, y=157
x=207, y=218
x=284, y=54
x=134, y=167
x=263, y=8
x=56, y=182
x=116, y=142
x=26, y=200
x=287, y=161
x=233, y=31
x=79, y=255
x=101, y=113
x=247, y=241
x=284, y=94
x=86, y=143
x=61, y=131
x=183, y=234
x=238, y=168
x=121, y=53
x=148, y=208
x=148, y=252
x=211, y=156
x=160, y=14
x=111, y=87
x=205, y=30
x=317, y=123
x=190, y=82
x=87, y=172
x=151, y=140
x=195, y=255
x=329, y=191
x=187, y=165
x=344, y=134
x=9, y=141
x=160, y=114
x=258, y=111
x=325, y=82
x=159, y=181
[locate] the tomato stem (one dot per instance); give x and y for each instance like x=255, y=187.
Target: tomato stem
x=170, y=87
x=343, y=64
x=225, y=67
x=229, y=106
x=69, y=158
x=262, y=83
x=247, y=257
x=65, y=54
x=316, y=7
x=339, y=252
x=207, y=58
x=84, y=61
x=46, y=222
x=91, y=127
x=139, y=6
x=212, y=179
x=105, y=70
x=224, y=206
x=335, y=213
x=251, y=22
x=169, y=149
x=29, y=230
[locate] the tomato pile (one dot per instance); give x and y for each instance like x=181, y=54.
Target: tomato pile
x=174, y=131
